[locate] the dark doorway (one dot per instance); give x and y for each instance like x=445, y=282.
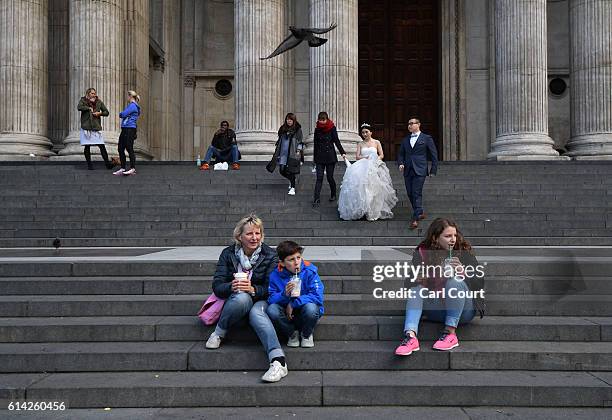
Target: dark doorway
x=399, y=69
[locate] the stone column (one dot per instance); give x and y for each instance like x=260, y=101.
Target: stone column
x=334, y=75
x=259, y=28
x=521, y=82
x=137, y=67
x=23, y=79
x=96, y=60
x=591, y=79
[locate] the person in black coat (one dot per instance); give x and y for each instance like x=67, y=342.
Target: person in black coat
x=412, y=160
x=288, y=149
x=325, y=138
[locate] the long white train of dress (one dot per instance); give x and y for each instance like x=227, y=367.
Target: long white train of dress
x=367, y=189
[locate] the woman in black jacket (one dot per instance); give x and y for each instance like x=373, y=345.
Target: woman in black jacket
x=254, y=260
x=288, y=149
x=325, y=138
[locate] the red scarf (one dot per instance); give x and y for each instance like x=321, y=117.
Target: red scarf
x=92, y=104
x=326, y=128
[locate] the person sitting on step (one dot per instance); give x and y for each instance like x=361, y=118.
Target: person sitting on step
x=224, y=148
x=449, y=287
x=241, y=278
x=295, y=295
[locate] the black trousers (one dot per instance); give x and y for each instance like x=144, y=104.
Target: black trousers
x=290, y=176
x=103, y=152
x=126, y=141
x=329, y=169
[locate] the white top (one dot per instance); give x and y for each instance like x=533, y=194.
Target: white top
x=414, y=137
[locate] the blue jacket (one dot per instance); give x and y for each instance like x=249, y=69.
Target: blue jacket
x=129, y=115
x=312, y=287
x=416, y=157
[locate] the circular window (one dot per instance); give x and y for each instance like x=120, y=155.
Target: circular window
x=223, y=87
x=557, y=86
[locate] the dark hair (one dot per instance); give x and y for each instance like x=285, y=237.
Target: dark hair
x=224, y=122
x=415, y=118
x=435, y=230
x=285, y=128
x=322, y=115
x=287, y=248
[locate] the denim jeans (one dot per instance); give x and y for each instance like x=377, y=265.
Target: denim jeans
x=237, y=307
x=213, y=151
x=451, y=311
x=304, y=319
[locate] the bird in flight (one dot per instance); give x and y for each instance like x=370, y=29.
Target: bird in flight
x=301, y=34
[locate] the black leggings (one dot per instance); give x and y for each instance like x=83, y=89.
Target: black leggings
x=102, y=148
x=329, y=168
x=126, y=141
x=290, y=176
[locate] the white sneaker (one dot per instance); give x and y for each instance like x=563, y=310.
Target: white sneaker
x=291, y=191
x=214, y=341
x=294, y=340
x=275, y=373
x=132, y=171
x=119, y=172
x=314, y=170
x=308, y=342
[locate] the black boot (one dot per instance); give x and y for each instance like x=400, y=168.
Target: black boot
x=87, y=154
x=104, y=154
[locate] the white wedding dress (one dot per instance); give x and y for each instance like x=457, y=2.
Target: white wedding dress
x=367, y=189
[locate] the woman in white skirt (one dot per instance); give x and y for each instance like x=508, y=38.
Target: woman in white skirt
x=92, y=109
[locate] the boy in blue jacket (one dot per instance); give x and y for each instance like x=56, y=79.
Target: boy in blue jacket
x=295, y=314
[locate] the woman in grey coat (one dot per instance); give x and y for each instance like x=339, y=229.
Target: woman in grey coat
x=288, y=148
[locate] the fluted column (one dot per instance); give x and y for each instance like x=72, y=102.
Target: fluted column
x=259, y=28
x=521, y=81
x=96, y=60
x=591, y=79
x=137, y=67
x=334, y=75
x=23, y=79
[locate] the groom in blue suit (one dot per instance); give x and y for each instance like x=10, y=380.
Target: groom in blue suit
x=412, y=161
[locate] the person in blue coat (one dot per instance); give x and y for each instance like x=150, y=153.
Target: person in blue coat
x=415, y=151
x=128, y=116
x=294, y=313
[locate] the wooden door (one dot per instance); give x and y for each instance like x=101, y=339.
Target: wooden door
x=399, y=69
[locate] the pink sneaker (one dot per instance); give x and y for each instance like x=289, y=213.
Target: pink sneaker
x=409, y=344
x=447, y=341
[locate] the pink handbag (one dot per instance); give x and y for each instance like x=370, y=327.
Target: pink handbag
x=210, y=312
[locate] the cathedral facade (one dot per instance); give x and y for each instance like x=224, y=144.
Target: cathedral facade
x=499, y=79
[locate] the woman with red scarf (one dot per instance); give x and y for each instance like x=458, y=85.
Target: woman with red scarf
x=325, y=137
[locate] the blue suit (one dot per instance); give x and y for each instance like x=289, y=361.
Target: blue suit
x=416, y=168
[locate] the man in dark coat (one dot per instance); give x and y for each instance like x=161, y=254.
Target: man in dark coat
x=223, y=147
x=415, y=151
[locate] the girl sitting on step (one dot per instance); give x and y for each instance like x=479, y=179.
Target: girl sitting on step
x=448, y=271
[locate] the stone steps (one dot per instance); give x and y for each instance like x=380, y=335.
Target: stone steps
x=338, y=304
x=331, y=327
x=327, y=355
x=315, y=388
x=501, y=284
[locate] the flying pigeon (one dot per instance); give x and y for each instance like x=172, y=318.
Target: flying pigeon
x=298, y=35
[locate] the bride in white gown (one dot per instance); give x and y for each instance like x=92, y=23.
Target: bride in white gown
x=367, y=189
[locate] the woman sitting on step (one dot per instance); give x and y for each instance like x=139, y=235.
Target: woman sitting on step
x=242, y=278
x=447, y=288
